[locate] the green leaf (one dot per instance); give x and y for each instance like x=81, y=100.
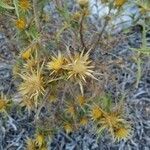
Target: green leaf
x=15, y=2
x=107, y=102
x=144, y=50
x=4, y=5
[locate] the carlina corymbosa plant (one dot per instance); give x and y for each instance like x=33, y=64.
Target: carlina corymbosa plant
x=62, y=82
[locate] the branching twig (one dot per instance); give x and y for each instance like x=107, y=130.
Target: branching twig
x=43, y=103
x=81, y=33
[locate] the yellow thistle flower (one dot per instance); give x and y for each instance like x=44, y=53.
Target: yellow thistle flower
x=25, y=5
x=3, y=103
x=122, y=133
x=39, y=140
x=68, y=128
x=81, y=100
x=26, y=54
x=96, y=113
x=83, y=121
x=56, y=64
x=32, y=84
x=71, y=110
x=119, y=3
x=79, y=68
x=30, y=144
x=20, y=24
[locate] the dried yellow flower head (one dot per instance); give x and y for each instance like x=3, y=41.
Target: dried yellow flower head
x=32, y=84
x=56, y=64
x=39, y=140
x=68, y=128
x=20, y=24
x=119, y=3
x=96, y=113
x=25, y=5
x=122, y=133
x=79, y=68
x=70, y=110
x=83, y=121
x=76, y=16
x=26, y=54
x=112, y=119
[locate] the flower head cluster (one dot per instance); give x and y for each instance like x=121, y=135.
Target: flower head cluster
x=77, y=67
x=111, y=121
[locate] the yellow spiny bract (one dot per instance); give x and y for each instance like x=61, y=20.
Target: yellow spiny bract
x=122, y=133
x=112, y=119
x=56, y=64
x=32, y=84
x=24, y=5
x=21, y=24
x=79, y=68
x=119, y=3
x=30, y=64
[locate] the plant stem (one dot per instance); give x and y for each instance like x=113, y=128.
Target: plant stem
x=81, y=33
x=35, y=11
x=43, y=103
